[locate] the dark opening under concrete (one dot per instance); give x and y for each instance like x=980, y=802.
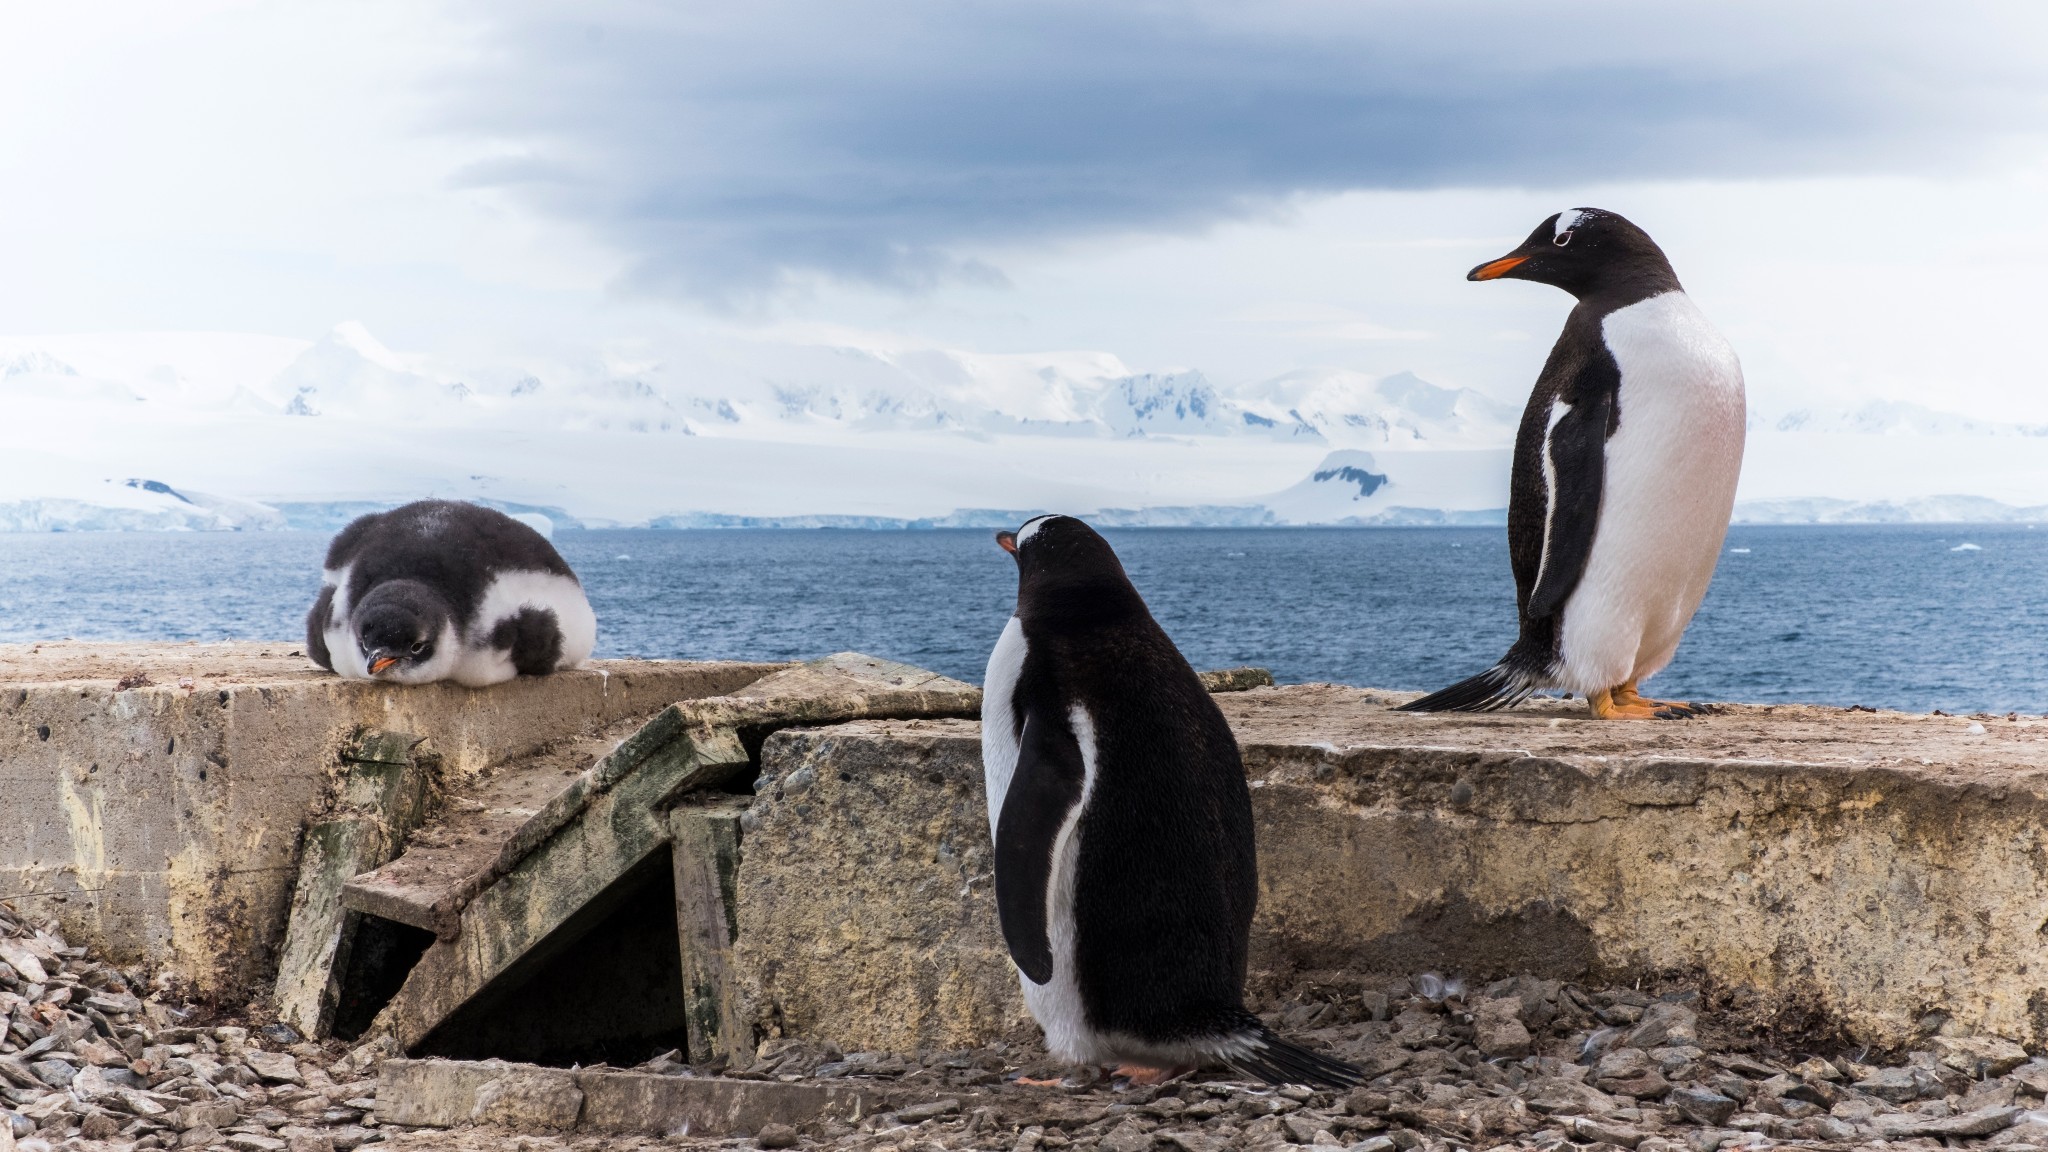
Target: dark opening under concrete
x=605, y=987
x=380, y=956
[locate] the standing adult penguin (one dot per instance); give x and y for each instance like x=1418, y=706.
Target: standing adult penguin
x=1624, y=474
x=1125, y=868
x=445, y=590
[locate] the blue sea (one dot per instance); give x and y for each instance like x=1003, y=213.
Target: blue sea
x=1913, y=617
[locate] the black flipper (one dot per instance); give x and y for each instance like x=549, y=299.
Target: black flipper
x=1576, y=448
x=1042, y=793
x=1264, y=1055
x=1560, y=479
x=534, y=638
x=316, y=628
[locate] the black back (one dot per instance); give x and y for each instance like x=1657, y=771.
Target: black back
x=1167, y=874
x=453, y=547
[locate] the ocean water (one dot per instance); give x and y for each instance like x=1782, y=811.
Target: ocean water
x=1913, y=617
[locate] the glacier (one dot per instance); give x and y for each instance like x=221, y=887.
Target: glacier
x=827, y=428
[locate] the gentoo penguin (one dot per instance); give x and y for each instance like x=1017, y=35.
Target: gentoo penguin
x=443, y=590
x=1624, y=474
x=1125, y=871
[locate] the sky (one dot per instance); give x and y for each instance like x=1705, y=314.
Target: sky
x=1853, y=191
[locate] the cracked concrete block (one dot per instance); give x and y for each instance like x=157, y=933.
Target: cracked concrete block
x=156, y=793
x=529, y=1098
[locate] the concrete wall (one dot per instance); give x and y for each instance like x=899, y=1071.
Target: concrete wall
x=160, y=822
x=1876, y=867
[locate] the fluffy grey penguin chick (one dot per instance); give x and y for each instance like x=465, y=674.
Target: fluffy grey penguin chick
x=445, y=590
x=1125, y=867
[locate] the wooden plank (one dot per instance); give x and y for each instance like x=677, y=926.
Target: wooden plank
x=705, y=847
x=488, y=832
x=614, y=832
x=383, y=797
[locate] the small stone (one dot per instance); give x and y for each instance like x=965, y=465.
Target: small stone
x=215, y=1114
x=1976, y=1056
x=114, y=1003
x=1664, y=1025
x=99, y=1126
x=55, y=1073
x=1301, y=1129
x=349, y=1137
x=250, y=1142
x=1606, y=1133
x=1126, y=1137
x=1622, y=1064
x=919, y=1113
x=775, y=1136
x=307, y=1140
x=274, y=1067
x=281, y=1034
x=1375, y=1144
x=1498, y=1028
x=1892, y=1085
x=1815, y=1068
x=2033, y=1076
x=1701, y=1106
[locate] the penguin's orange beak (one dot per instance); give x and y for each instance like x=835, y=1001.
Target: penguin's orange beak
x=1496, y=269
x=378, y=665
x=1007, y=541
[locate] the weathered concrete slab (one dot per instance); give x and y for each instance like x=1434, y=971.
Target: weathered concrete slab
x=490, y=825
x=610, y=818
x=866, y=897
x=447, y=1093
x=704, y=848
x=615, y=830
x=384, y=796
x=155, y=794
x=1875, y=866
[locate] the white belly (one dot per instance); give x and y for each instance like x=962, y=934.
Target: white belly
x=999, y=718
x=479, y=664
x=1056, y=1004
x=1671, y=469
x=342, y=650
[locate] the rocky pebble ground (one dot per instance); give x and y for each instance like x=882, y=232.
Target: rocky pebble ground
x=89, y=1058
x=92, y=1057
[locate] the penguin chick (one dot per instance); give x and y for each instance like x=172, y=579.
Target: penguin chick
x=445, y=590
x=1125, y=868
x=1624, y=474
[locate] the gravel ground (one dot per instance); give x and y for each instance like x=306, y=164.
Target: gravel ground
x=92, y=1058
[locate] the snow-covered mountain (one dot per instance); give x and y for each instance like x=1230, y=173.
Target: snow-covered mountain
x=840, y=427
x=1892, y=418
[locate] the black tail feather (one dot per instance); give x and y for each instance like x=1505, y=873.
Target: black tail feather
x=1504, y=685
x=1268, y=1057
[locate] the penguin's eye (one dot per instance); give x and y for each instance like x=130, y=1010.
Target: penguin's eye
x=419, y=646
x=1562, y=238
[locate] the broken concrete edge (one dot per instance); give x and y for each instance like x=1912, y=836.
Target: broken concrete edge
x=619, y=830
x=449, y=1093
x=701, y=725
x=1236, y=679
x=384, y=798
x=705, y=859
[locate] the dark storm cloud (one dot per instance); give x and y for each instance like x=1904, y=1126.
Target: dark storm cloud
x=726, y=146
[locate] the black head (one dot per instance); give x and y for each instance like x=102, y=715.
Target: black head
x=401, y=625
x=1067, y=573
x=1587, y=251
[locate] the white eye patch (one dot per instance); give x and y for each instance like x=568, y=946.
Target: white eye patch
x=1030, y=526
x=1568, y=220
